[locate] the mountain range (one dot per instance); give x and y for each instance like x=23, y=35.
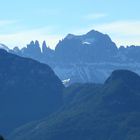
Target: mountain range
x=108, y=111
x=83, y=58
x=36, y=105
x=29, y=90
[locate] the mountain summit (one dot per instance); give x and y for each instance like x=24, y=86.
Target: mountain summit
x=130, y=78
x=86, y=47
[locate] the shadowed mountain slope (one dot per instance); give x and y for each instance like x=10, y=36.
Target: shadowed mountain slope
x=29, y=91
x=102, y=112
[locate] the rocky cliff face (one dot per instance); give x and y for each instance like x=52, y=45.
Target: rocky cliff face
x=91, y=47
x=84, y=58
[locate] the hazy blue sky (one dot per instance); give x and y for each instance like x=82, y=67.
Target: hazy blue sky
x=51, y=20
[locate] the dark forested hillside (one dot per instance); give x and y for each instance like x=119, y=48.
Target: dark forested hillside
x=102, y=112
x=29, y=91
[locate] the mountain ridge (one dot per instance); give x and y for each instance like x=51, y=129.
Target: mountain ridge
x=84, y=58
x=26, y=90
x=91, y=112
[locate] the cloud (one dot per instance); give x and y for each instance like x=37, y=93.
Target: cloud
x=122, y=32
x=23, y=37
x=121, y=27
x=6, y=22
x=95, y=16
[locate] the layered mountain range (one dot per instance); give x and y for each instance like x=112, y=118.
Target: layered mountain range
x=108, y=111
x=36, y=106
x=84, y=58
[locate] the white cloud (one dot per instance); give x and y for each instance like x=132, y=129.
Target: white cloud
x=121, y=32
x=14, y=35
x=94, y=16
x=6, y=22
x=22, y=38
x=121, y=27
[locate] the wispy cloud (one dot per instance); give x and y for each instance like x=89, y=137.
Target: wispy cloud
x=95, y=16
x=121, y=27
x=122, y=32
x=7, y=22
x=23, y=37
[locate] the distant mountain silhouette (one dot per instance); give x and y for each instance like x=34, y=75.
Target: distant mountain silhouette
x=102, y=112
x=84, y=58
x=29, y=90
x=4, y=47
x=122, y=91
x=86, y=48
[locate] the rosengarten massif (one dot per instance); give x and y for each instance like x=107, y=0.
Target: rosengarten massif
x=85, y=89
